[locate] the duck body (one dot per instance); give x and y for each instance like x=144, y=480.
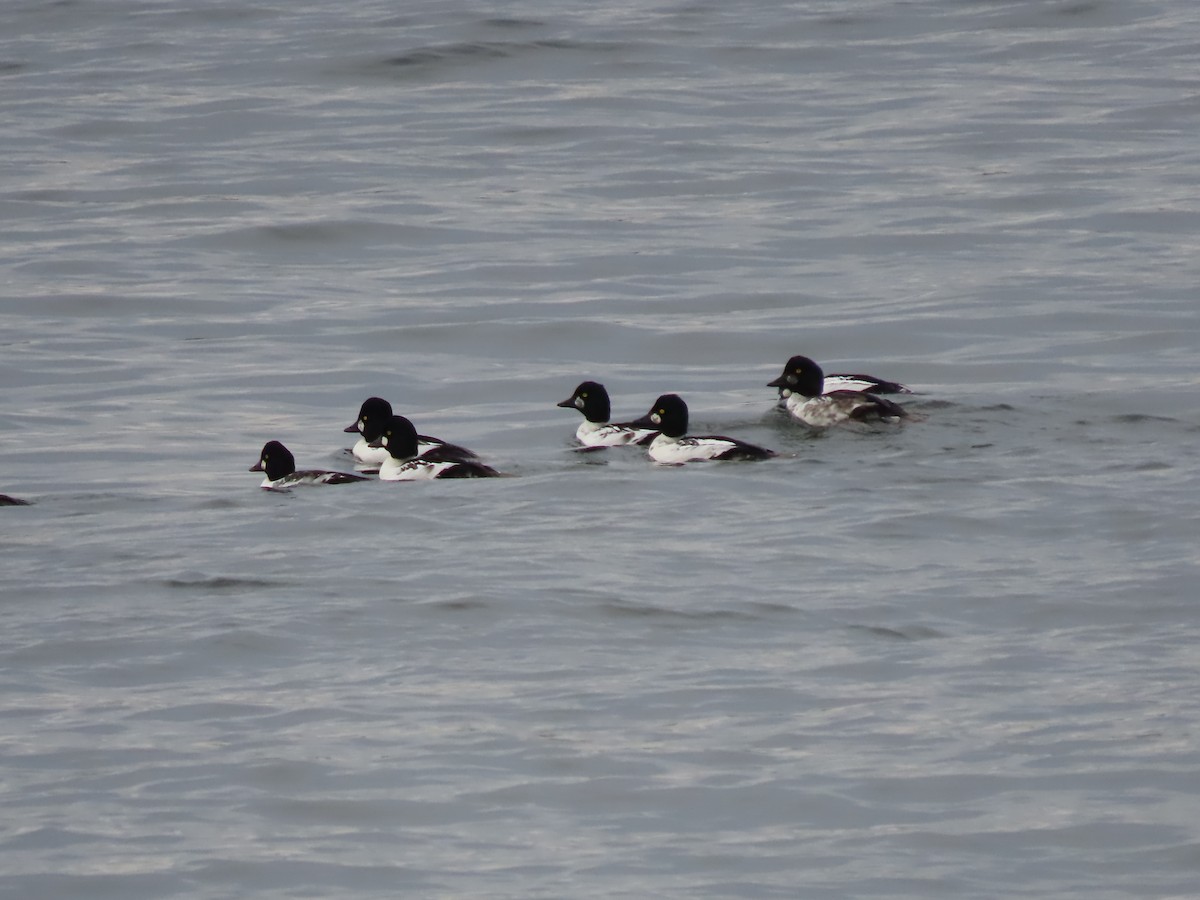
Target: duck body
x=835, y=408
x=423, y=469
x=591, y=399
x=673, y=446
x=406, y=463
x=612, y=434
x=280, y=468
x=807, y=398
x=675, y=451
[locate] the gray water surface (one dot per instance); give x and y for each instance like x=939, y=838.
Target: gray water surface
x=953, y=659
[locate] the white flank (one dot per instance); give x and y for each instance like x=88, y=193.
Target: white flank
x=673, y=451
x=414, y=470
x=842, y=383
x=364, y=452
x=823, y=412
x=599, y=434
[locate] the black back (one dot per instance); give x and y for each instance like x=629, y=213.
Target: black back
x=467, y=469
x=745, y=451
x=877, y=408
x=441, y=451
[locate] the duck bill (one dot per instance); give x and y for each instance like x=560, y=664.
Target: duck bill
x=350, y=429
x=377, y=444
x=257, y=467
x=569, y=403
x=779, y=382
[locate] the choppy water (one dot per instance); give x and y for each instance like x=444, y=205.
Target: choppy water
x=958, y=659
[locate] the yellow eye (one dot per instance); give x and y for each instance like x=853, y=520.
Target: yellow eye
x=583, y=396
x=661, y=411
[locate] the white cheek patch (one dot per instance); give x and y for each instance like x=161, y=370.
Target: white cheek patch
x=579, y=403
x=656, y=419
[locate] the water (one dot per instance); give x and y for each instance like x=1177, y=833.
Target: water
x=956, y=659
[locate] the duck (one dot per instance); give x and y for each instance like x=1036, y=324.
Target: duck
x=6, y=500
x=852, y=382
x=279, y=465
x=808, y=398
x=591, y=399
x=406, y=461
x=373, y=416
x=672, y=446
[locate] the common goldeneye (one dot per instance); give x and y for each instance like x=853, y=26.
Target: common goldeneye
x=670, y=415
x=847, y=382
x=591, y=399
x=279, y=464
x=373, y=417
x=808, y=399
x=399, y=438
